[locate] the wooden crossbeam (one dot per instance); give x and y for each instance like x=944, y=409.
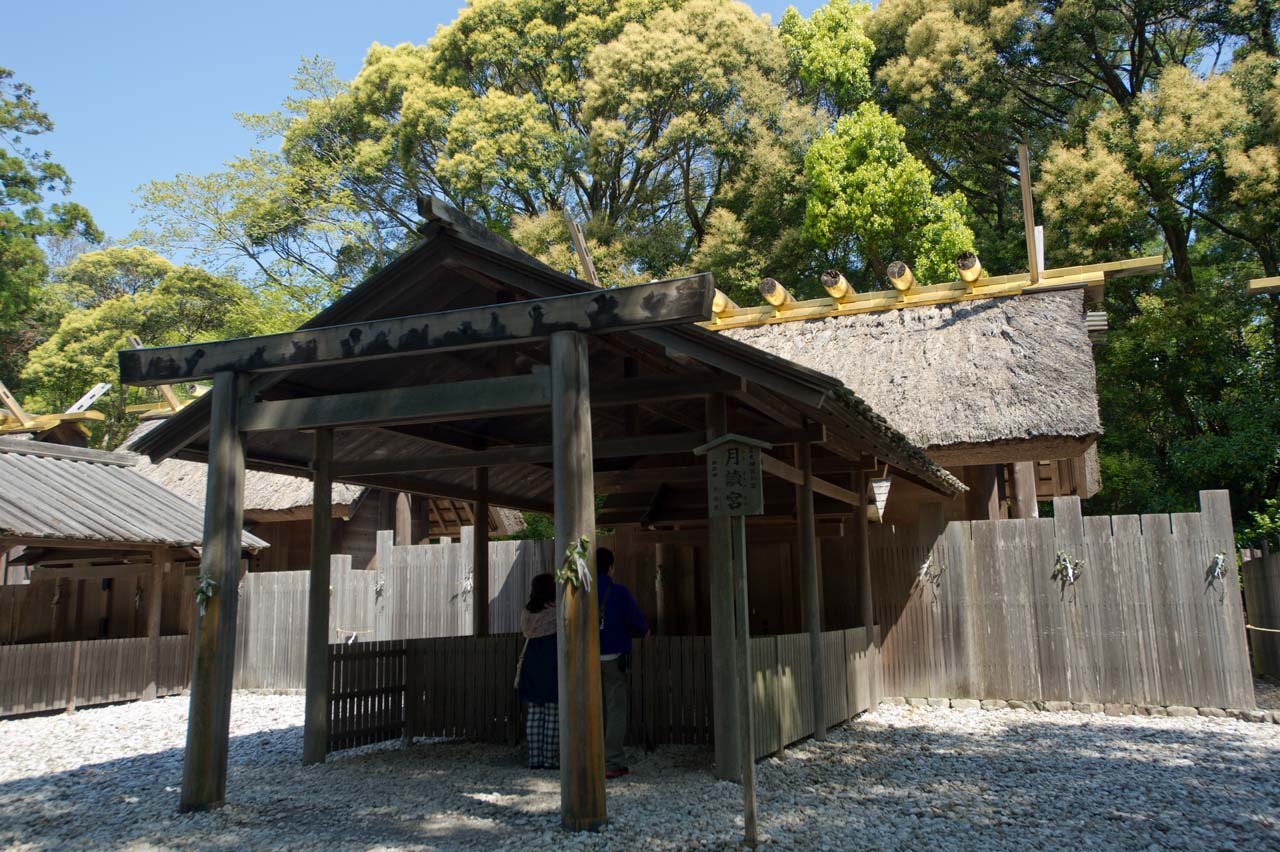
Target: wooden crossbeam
x=791, y=473
x=679, y=300
x=501, y=396
x=421, y=404
x=1090, y=277
x=611, y=448
x=1259, y=286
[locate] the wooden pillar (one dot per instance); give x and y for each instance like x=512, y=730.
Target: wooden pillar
x=812, y=587
x=725, y=701
x=315, y=729
x=1024, y=491
x=155, y=594
x=582, y=798
x=204, y=765
x=480, y=556
x=866, y=596
x=983, y=499
x=404, y=520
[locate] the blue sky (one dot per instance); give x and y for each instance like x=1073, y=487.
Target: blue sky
x=145, y=90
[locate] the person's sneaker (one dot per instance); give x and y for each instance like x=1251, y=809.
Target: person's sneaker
x=616, y=773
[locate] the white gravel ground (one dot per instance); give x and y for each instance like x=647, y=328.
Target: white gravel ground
x=898, y=778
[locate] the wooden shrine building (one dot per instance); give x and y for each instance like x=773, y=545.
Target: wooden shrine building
x=993, y=377
x=93, y=550
x=467, y=369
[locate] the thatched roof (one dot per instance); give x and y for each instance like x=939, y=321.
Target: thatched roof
x=975, y=372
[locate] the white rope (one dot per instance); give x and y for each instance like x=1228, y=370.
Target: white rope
x=1261, y=629
x=350, y=634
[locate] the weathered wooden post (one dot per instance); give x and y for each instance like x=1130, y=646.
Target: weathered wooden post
x=315, y=730
x=724, y=685
x=480, y=556
x=812, y=587
x=155, y=594
x=734, y=490
x=866, y=598
x=582, y=799
x=1024, y=503
x=204, y=764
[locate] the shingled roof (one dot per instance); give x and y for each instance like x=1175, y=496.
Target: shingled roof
x=976, y=372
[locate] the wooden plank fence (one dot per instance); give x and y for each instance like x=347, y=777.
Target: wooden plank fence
x=462, y=687
x=1262, y=602
x=969, y=610
x=416, y=592
x=46, y=676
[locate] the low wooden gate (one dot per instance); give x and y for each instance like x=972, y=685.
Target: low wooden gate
x=463, y=687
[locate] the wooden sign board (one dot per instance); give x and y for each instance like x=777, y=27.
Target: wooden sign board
x=735, y=479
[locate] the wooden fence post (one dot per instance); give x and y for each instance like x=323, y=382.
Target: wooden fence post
x=315, y=731
x=582, y=796
x=204, y=765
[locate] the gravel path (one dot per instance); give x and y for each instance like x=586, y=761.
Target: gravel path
x=898, y=778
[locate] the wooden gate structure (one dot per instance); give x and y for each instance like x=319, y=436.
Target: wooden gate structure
x=461, y=687
x=467, y=369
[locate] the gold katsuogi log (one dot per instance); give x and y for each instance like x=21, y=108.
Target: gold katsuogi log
x=900, y=276
x=775, y=294
x=969, y=268
x=837, y=286
x=721, y=303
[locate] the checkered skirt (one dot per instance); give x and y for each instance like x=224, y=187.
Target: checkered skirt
x=542, y=729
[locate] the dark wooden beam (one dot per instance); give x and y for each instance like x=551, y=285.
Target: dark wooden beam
x=418, y=404
x=674, y=302
x=613, y=448
x=467, y=400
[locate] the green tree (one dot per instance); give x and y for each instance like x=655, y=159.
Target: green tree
x=109, y=296
x=868, y=192
x=638, y=118
x=27, y=178
x=830, y=54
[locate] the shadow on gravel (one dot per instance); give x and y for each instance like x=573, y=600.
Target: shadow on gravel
x=1026, y=784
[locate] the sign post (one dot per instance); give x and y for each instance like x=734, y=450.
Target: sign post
x=735, y=489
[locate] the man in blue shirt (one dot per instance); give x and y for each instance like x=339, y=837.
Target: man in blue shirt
x=620, y=619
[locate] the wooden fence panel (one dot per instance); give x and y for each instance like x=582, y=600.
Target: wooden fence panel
x=1147, y=621
x=40, y=677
